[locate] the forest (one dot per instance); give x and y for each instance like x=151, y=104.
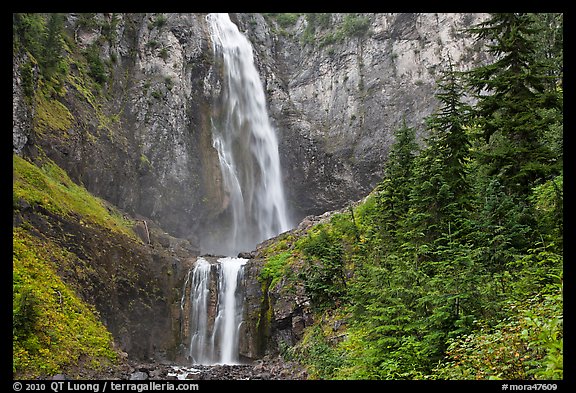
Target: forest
x=452, y=268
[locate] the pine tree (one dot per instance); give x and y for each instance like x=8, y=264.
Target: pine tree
x=449, y=125
x=549, y=46
x=53, y=48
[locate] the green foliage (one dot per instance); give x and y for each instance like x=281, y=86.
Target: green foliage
x=25, y=312
x=355, y=25
x=548, y=202
x=158, y=22
x=284, y=20
x=56, y=71
x=41, y=36
x=53, y=46
x=321, y=30
x=275, y=268
x=516, y=80
x=51, y=188
x=502, y=227
x=53, y=329
x=96, y=68
x=392, y=202
x=50, y=115
x=27, y=73
x=27, y=30
x=528, y=344
x=323, y=277
x=323, y=358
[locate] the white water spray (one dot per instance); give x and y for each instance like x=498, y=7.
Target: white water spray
x=246, y=144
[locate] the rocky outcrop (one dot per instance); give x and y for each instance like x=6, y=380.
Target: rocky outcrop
x=276, y=316
x=21, y=112
x=143, y=140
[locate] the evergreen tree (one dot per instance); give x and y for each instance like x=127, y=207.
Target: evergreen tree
x=41, y=37
x=513, y=95
x=440, y=194
x=549, y=45
x=392, y=191
x=27, y=31
x=53, y=47
x=449, y=125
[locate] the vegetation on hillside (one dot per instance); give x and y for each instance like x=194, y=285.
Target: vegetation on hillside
x=53, y=328
x=453, y=267
x=50, y=188
x=322, y=28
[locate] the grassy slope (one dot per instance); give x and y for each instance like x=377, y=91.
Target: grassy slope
x=53, y=328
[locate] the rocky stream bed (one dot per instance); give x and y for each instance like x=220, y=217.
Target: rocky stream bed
x=262, y=369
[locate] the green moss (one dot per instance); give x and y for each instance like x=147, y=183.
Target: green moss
x=53, y=329
x=144, y=161
x=275, y=268
x=91, y=91
x=51, y=188
x=51, y=115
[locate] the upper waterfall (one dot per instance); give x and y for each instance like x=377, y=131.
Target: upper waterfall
x=247, y=147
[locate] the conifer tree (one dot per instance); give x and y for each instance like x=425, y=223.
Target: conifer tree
x=52, y=53
x=392, y=199
x=440, y=195
x=449, y=127
x=512, y=93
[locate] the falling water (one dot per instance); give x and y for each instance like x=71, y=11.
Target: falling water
x=246, y=144
x=229, y=314
x=201, y=346
x=214, y=325
x=249, y=161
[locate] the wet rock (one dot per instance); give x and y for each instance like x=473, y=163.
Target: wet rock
x=158, y=373
x=138, y=376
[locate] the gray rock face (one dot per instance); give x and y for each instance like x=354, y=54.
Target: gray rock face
x=21, y=113
x=336, y=105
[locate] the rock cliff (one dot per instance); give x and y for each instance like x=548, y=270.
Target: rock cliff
x=337, y=89
x=340, y=84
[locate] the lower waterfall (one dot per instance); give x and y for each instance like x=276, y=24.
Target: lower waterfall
x=215, y=292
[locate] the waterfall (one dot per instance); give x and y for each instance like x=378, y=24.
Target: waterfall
x=247, y=146
x=229, y=315
x=201, y=345
x=256, y=210
x=216, y=312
